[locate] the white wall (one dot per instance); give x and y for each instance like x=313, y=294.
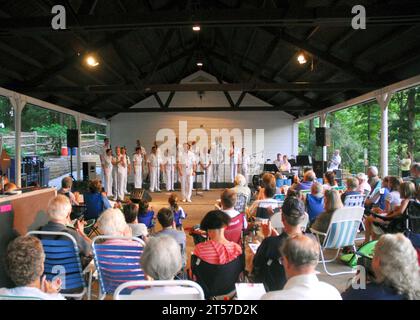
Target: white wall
x=279, y=129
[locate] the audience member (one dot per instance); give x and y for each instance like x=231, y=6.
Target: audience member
x=266, y=200
x=315, y=201
x=396, y=270
x=241, y=186
x=24, y=264
x=267, y=268
x=217, y=250
x=10, y=188
x=308, y=179
x=373, y=178
x=66, y=185
x=329, y=180
x=146, y=214
x=364, y=186
x=59, y=210
x=352, y=184
x=131, y=212
x=414, y=174
x=179, y=213
x=228, y=199
x=95, y=201
x=332, y=202
x=166, y=220
x=405, y=165
x=300, y=258
x=378, y=197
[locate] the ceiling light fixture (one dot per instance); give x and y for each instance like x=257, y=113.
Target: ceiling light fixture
x=200, y=64
x=91, y=61
x=196, y=28
x=301, y=58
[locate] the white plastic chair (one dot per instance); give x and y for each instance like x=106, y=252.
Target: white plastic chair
x=183, y=290
x=341, y=233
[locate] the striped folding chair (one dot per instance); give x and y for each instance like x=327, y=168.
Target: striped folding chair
x=357, y=200
x=182, y=290
x=62, y=260
x=116, y=263
x=341, y=233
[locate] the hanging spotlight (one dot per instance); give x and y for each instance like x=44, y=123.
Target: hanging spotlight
x=91, y=61
x=196, y=28
x=200, y=64
x=301, y=58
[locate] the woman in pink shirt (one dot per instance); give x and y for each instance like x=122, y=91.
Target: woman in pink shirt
x=217, y=250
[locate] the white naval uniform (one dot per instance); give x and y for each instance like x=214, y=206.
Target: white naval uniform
x=154, y=162
x=102, y=156
x=233, y=164
x=243, y=161
x=108, y=175
x=120, y=172
x=159, y=154
x=128, y=162
x=138, y=168
x=218, y=154
x=170, y=164
x=186, y=161
x=205, y=160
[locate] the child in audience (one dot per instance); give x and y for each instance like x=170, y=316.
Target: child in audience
x=146, y=215
x=179, y=213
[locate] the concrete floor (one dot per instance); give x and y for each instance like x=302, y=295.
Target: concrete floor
x=203, y=204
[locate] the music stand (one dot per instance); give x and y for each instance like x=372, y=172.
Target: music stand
x=270, y=168
x=198, y=173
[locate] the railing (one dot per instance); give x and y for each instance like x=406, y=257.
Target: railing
x=39, y=143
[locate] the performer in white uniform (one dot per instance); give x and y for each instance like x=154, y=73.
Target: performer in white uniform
x=138, y=160
x=169, y=163
x=186, y=169
x=233, y=154
x=335, y=161
x=127, y=168
x=120, y=166
x=154, y=163
x=279, y=161
x=218, y=159
x=243, y=163
x=107, y=165
x=206, y=167
x=159, y=157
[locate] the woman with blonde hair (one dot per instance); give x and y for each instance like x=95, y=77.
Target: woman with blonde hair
x=332, y=202
x=396, y=269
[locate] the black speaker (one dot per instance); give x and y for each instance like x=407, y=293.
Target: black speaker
x=72, y=138
x=323, y=137
x=89, y=171
x=303, y=161
x=320, y=167
x=140, y=194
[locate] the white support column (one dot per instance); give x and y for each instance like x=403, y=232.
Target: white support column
x=108, y=130
x=323, y=124
x=295, y=139
x=18, y=104
x=79, y=150
x=383, y=100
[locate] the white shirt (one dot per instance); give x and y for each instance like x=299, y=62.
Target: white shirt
x=243, y=159
x=285, y=166
x=278, y=163
x=187, y=160
x=154, y=160
x=218, y=154
x=304, y=287
x=205, y=159
x=234, y=156
x=273, y=203
x=394, y=199
x=335, y=163
x=107, y=162
x=137, y=160
x=30, y=292
x=232, y=213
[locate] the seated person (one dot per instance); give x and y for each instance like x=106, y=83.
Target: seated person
x=166, y=220
x=146, y=214
x=332, y=202
x=95, y=201
x=131, y=212
x=217, y=250
x=414, y=174
x=10, y=188
x=378, y=197
x=228, y=199
x=300, y=258
x=308, y=179
x=241, y=186
x=179, y=213
x=267, y=268
x=396, y=270
x=24, y=263
x=395, y=217
x=352, y=184
x=268, y=192
x=161, y=260
x=315, y=201
x=66, y=185
x=364, y=186
x=392, y=201
x=329, y=180
x=112, y=223
x=58, y=211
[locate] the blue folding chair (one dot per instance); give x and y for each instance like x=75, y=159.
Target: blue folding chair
x=341, y=233
x=116, y=264
x=62, y=260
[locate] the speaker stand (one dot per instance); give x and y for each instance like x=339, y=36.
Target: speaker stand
x=71, y=165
